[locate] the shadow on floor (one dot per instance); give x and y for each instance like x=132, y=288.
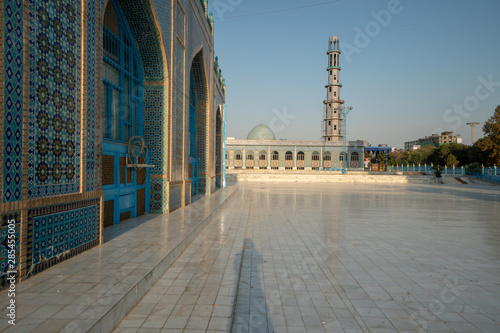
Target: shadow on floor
x=251, y=312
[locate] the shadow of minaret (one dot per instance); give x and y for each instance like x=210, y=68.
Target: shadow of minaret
x=251, y=312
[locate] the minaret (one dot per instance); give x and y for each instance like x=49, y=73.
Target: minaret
x=332, y=127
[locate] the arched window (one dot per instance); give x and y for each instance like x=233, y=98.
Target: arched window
x=275, y=160
x=300, y=160
x=262, y=160
x=123, y=82
x=315, y=160
x=249, y=161
x=354, y=157
x=327, y=160
x=238, y=160
x=342, y=156
x=288, y=160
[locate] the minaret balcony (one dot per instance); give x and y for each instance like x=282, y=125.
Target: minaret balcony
x=334, y=84
x=334, y=50
x=333, y=67
x=339, y=101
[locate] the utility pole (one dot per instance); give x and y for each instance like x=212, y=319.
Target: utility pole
x=472, y=125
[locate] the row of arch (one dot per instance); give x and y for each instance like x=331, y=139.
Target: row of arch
x=289, y=160
x=289, y=156
x=136, y=104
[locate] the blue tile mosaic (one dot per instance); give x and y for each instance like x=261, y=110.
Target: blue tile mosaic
x=90, y=180
x=155, y=127
x=58, y=232
x=13, y=101
x=55, y=234
x=54, y=111
x=13, y=218
x=142, y=24
x=158, y=202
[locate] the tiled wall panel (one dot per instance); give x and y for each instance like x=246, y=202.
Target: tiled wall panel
x=92, y=93
x=13, y=101
x=58, y=232
x=54, y=108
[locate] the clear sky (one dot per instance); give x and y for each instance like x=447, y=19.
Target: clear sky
x=409, y=67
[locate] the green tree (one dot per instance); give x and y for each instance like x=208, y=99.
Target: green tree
x=451, y=161
x=381, y=158
x=490, y=144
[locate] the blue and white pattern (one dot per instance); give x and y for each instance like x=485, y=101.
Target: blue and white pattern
x=92, y=88
x=54, y=111
x=13, y=104
x=55, y=234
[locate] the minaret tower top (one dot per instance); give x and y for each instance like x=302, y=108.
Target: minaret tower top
x=332, y=120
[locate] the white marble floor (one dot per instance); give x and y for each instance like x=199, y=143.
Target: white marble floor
x=293, y=257
x=287, y=257
x=93, y=291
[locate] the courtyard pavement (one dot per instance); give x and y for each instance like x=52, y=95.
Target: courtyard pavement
x=298, y=257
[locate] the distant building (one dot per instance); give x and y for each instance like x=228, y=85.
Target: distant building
x=375, y=151
x=434, y=140
x=261, y=151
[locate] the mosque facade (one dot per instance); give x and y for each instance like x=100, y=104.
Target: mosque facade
x=110, y=109
x=261, y=151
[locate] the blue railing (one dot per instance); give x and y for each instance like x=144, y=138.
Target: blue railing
x=486, y=177
x=487, y=173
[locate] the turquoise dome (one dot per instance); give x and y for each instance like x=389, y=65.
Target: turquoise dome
x=261, y=132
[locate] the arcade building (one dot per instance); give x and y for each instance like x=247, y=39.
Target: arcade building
x=110, y=109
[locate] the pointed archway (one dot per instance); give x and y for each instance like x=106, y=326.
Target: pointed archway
x=198, y=138
x=145, y=35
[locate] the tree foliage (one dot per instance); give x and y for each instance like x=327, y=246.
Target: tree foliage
x=490, y=144
x=451, y=161
x=485, y=151
x=492, y=125
x=448, y=154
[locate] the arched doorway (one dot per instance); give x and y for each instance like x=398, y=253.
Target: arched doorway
x=145, y=37
x=198, y=174
x=218, y=148
x=122, y=118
